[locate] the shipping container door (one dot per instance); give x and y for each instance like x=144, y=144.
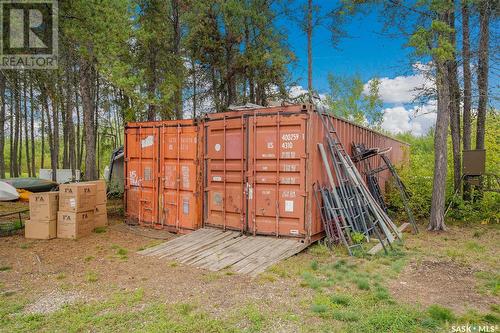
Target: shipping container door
x=178, y=170
x=225, y=173
x=276, y=175
x=141, y=176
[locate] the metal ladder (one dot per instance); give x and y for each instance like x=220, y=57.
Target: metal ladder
x=405, y=195
x=350, y=179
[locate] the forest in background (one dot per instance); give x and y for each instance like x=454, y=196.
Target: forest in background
x=128, y=60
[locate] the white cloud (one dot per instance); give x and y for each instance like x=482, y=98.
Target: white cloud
x=401, y=89
x=417, y=120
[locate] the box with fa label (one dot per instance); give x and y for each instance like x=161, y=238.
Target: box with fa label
x=44, y=206
x=77, y=197
x=74, y=225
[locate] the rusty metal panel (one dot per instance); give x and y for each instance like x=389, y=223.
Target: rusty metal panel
x=162, y=175
x=179, y=193
x=225, y=172
x=141, y=172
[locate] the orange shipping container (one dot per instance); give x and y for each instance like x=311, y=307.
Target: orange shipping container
x=257, y=173
x=162, y=171
x=260, y=166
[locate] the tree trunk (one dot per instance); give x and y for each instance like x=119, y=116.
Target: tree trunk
x=32, y=129
x=2, y=125
x=54, y=156
x=467, y=86
x=45, y=101
x=309, y=48
x=42, y=130
x=440, y=149
x=17, y=106
x=482, y=71
x=11, y=132
x=26, y=134
x=86, y=87
x=69, y=124
x=176, y=25
x=454, y=108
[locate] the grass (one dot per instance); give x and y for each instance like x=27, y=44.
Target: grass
x=122, y=312
x=5, y=268
x=91, y=277
x=100, y=230
x=327, y=292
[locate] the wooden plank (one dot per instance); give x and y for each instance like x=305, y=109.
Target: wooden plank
x=188, y=241
x=207, y=246
x=244, y=251
x=207, y=241
x=198, y=255
x=377, y=248
x=230, y=255
x=261, y=258
x=285, y=255
x=176, y=241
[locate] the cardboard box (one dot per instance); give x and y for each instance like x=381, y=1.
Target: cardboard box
x=40, y=229
x=77, y=197
x=100, y=216
x=74, y=225
x=100, y=196
x=44, y=206
x=101, y=220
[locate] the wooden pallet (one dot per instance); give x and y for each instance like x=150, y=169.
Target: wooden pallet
x=215, y=249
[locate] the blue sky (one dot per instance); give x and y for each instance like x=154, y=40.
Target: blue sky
x=366, y=52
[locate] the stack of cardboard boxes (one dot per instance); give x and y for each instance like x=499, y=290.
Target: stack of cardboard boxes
x=72, y=213
x=43, y=216
x=75, y=218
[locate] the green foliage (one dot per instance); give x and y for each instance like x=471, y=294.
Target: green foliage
x=440, y=313
x=418, y=178
x=348, y=100
x=357, y=237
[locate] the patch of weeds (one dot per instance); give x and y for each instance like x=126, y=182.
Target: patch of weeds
x=341, y=299
x=185, y=308
x=89, y=258
x=429, y=323
x=398, y=265
x=478, y=233
x=362, y=283
x=100, y=230
x=256, y=318
x=440, y=313
x=381, y=293
x=491, y=318
x=121, y=252
x=311, y=281
x=25, y=246
x=314, y=265
x=60, y=276
x=495, y=308
x=151, y=244
x=320, y=250
x=91, y=277
x=267, y=277
x=474, y=246
x=211, y=277
x=174, y=264
x=387, y=319
x=491, y=282
x=319, y=308
x=345, y=315
x=5, y=268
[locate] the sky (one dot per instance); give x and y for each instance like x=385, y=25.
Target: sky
x=368, y=53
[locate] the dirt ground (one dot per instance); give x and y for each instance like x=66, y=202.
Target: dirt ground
x=49, y=274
